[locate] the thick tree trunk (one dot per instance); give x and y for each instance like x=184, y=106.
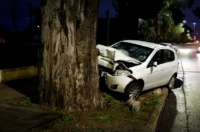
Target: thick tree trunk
x=68, y=66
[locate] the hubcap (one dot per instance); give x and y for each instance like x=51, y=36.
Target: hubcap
x=134, y=92
x=171, y=83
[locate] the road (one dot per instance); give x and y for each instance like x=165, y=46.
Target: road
x=181, y=112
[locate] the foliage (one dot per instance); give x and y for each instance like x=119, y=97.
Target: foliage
x=164, y=20
x=109, y=100
x=128, y=14
x=163, y=26
x=67, y=117
x=149, y=105
x=116, y=118
x=26, y=102
x=176, y=32
x=147, y=29
x=107, y=117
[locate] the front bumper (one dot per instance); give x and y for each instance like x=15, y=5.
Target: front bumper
x=117, y=83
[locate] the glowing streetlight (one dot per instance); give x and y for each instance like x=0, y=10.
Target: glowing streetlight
x=194, y=23
x=184, y=21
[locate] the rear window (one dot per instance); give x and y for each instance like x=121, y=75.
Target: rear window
x=169, y=56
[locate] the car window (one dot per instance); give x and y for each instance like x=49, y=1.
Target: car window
x=169, y=55
x=135, y=51
x=158, y=57
x=163, y=56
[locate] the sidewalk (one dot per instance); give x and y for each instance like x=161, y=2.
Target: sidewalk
x=17, y=118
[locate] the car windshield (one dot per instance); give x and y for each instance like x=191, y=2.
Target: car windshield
x=135, y=51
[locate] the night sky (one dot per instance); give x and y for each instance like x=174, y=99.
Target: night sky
x=23, y=20
x=22, y=13
x=191, y=18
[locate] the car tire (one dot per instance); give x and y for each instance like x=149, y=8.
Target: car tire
x=171, y=82
x=133, y=91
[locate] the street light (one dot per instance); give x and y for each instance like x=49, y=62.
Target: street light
x=194, y=23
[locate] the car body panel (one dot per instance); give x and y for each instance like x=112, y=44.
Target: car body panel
x=117, y=83
x=152, y=76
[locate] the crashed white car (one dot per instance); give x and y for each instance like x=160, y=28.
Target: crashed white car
x=133, y=66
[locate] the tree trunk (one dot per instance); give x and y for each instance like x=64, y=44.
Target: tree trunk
x=68, y=70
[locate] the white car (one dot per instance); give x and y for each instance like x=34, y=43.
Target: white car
x=169, y=45
x=133, y=66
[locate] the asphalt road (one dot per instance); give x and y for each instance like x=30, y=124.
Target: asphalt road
x=181, y=112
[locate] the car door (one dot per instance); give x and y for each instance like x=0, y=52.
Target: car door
x=170, y=65
x=155, y=73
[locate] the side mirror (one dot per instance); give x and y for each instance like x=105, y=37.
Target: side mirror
x=155, y=63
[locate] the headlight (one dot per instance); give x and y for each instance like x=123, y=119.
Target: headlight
x=121, y=72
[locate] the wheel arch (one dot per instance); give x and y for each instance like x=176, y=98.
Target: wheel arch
x=175, y=74
x=139, y=80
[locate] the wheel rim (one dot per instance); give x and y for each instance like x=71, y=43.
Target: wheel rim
x=134, y=92
x=171, y=83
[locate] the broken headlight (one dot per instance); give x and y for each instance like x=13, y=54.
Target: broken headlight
x=121, y=72
x=121, y=69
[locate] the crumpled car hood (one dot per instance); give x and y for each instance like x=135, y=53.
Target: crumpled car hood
x=114, y=54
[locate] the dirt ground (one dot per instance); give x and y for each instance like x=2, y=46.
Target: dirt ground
x=115, y=117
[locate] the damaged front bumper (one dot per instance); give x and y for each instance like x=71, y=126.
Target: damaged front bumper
x=116, y=83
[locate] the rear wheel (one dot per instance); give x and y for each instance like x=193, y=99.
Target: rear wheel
x=171, y=82
x=133, y=91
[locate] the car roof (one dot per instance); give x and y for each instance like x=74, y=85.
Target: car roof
x=144, y=43
x=166, y=43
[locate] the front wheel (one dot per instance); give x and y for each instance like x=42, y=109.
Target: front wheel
x=133, y=91
x=171, y=82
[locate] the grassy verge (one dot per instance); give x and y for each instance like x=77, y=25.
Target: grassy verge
x=116, y=116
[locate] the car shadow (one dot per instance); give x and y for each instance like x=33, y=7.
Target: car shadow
x=168, y=114
x=178, y=83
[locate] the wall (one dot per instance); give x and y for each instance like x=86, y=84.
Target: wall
x=18, y=73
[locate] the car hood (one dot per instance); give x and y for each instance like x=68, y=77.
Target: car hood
x=115, y=54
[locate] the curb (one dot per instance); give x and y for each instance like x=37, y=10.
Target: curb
x=18, y=73
x=153, y=123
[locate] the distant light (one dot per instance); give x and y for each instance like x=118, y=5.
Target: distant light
x=184, y=21
x=38, y=26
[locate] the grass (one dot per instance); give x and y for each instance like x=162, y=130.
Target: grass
x=67, y=118
x=116, y=116
x=26, y=102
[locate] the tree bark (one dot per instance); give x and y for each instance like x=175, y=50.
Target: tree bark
x=68, y=70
